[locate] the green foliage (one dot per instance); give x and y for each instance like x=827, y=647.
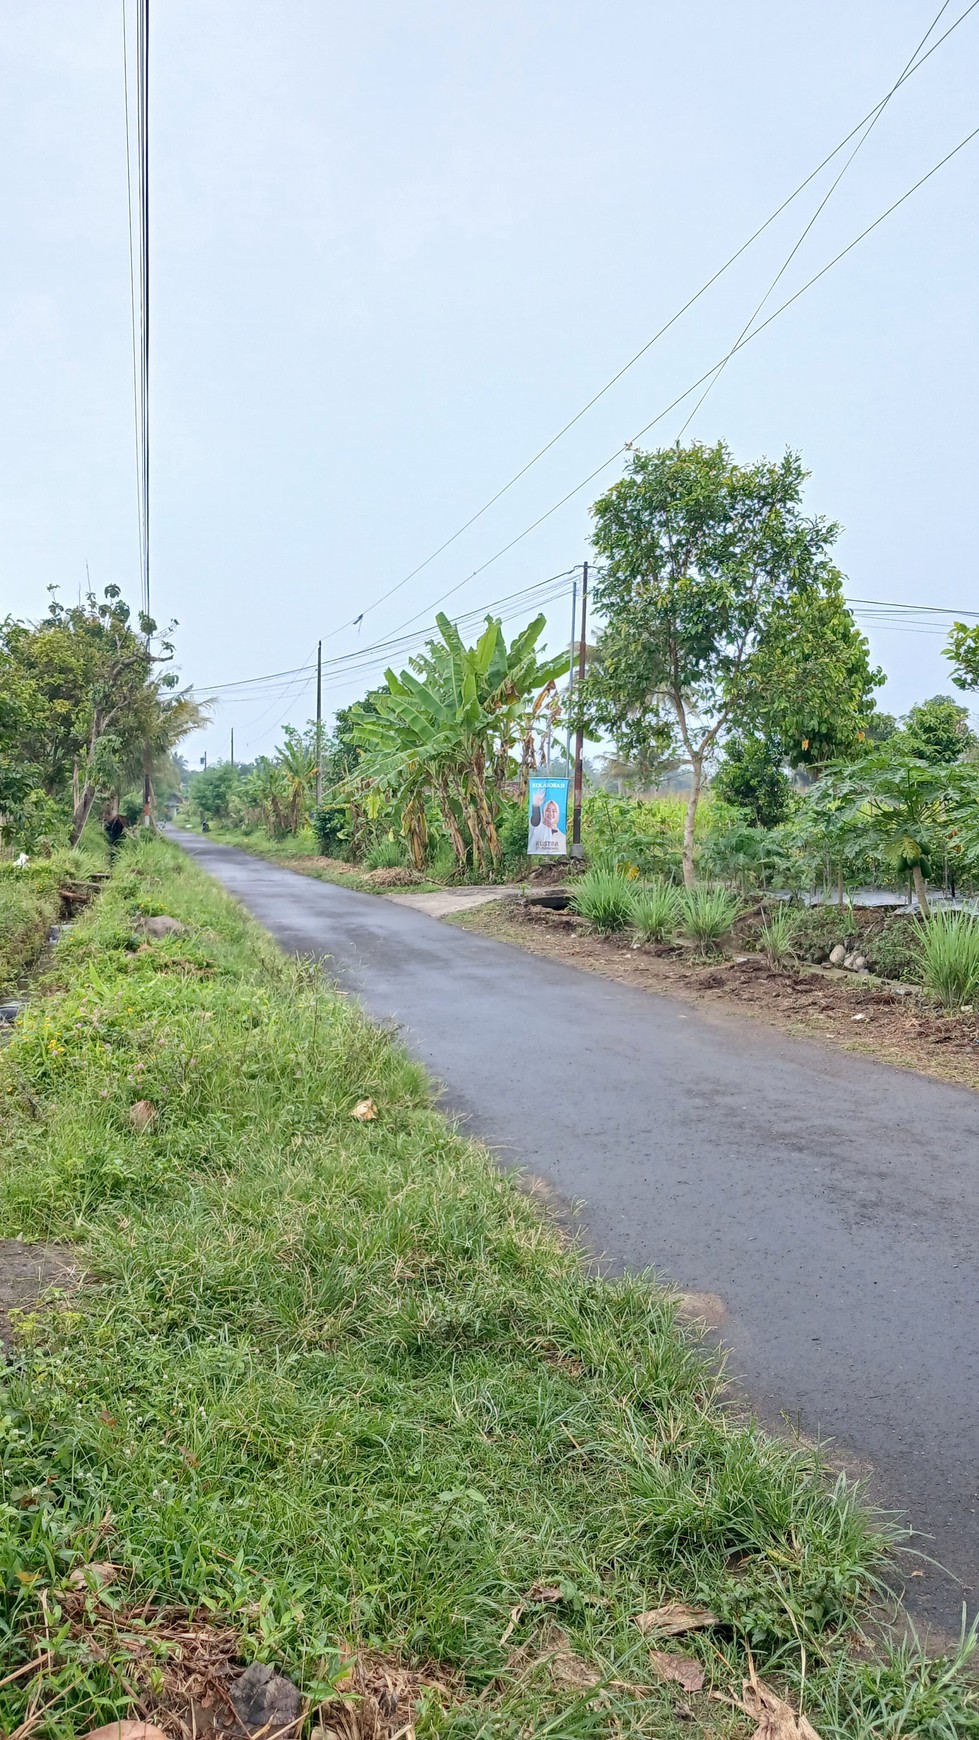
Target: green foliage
x=640, y=834
x=722, y=611
x=819, y=929
x=751, y=778
x=341, y=1381
x=708, y=914
x=962, y=652
x=605, y=899
x=893, y=949
x=84, y=696
x=385, y=854
x=451, y=730
x=938, y=730
x=330, y=828
x=949, y=957
x=777, y=936
x=905, y=809
x=656, y=911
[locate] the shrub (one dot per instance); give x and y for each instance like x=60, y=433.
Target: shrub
x=949, y=957
x=330, y=828
x=605, y=899
x=894, y=951
x=776, y=939
x=512, y=829
x=385, y=855
x=656, y=911
x=819, y=929
x=708, y=914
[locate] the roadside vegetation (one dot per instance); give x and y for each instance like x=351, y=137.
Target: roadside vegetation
x=334, y=1386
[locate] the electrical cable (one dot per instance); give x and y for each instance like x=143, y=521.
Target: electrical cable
x=827, y=196
x=749, y=338
x=871, y=116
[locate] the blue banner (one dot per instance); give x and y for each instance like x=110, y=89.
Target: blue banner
x=547, y=835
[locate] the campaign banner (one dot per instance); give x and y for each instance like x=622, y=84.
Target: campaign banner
x=547, y=835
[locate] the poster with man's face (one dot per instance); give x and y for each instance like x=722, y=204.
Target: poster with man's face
x=547, y=835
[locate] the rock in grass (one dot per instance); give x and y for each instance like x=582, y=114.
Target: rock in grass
x=837, y=955
x=266, y=1703
x=162, y=925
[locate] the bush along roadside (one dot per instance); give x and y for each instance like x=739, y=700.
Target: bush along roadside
x=32, y=897
x=336, y=1399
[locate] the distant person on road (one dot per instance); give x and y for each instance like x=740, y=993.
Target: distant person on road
x=546, y=835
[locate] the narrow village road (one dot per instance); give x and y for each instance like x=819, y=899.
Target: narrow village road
x=832, y=1203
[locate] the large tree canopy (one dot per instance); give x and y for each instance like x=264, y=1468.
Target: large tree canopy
x=721, y=612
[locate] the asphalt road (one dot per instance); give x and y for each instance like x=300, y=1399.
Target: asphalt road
x=832, y=1203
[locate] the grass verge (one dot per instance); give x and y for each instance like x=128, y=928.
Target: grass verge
x=301, y=852
x=29, y=905
x=336, y=1384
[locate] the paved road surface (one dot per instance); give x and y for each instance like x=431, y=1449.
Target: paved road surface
x=833, y=1203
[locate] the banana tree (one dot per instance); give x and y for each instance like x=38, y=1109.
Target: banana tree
x=447, y=731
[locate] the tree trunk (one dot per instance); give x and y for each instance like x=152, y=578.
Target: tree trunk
x=920, y=889
x=83, y=810
x=690, y=821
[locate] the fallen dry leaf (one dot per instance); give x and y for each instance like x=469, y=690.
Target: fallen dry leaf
x=125, y=1731
x=364, y=1111
x=141, y=1115
x=537, y=1593
x=675, y=1618
x=95, y=1576
x=775, y=1718
x=687, y=1672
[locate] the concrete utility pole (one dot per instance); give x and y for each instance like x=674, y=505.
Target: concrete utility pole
x=319, y=723
x=579, y=741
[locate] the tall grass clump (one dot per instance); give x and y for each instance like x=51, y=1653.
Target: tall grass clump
x=606, y=899
x=656, y=911
x=708, y=914
x=777, y=937
x=384, y=855
x=949, y=957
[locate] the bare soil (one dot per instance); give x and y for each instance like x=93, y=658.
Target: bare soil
x=26, y=1272
x=854, y=1012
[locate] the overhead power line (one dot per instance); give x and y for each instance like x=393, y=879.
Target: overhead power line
x=749, y=338
x=827, y=196
x=872, y=116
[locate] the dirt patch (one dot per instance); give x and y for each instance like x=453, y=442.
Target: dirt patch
x=850, y=1011
x=26, y=1272
x=392, y=876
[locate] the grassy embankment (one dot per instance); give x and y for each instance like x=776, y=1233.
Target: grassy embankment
x=339, y=1382
x=30, y=904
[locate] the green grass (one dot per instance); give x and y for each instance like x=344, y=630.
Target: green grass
x=605, y=899
x=948, y=956
x=709, y=913
x=340, y=1381
x=29, y=905
x=301, y=852
x=656, y=911
x=777, y=936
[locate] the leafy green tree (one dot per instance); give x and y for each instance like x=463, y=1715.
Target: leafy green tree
x=962, y=652
x=89, y=702
x=752, y=777
x=722, y=612
x=938, y=730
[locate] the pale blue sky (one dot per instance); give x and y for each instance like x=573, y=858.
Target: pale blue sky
x=396, y=246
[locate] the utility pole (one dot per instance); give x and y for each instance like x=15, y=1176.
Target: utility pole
x=232, y=749
x=319, y=724
x=574, y=618
x=579, y=741
x=143, y=152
